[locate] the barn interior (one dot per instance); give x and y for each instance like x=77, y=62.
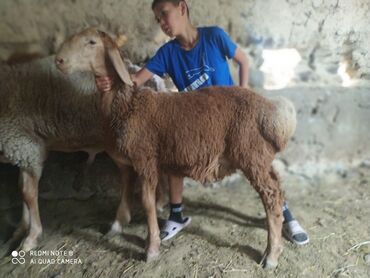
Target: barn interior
x=315, y=53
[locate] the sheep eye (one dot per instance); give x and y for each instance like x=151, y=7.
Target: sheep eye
x=92, y=42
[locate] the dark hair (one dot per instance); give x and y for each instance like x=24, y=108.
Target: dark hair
x=175, y=2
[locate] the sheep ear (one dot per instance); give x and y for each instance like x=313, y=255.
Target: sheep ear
x=119, y=65
x=115, y=58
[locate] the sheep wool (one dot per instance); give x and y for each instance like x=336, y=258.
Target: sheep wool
x=190, y=134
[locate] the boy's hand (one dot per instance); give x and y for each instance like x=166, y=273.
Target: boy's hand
x=104, y=83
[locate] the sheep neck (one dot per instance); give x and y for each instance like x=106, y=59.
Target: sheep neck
x=122, y=109
x=106, y=98
x=117, y=100
x=115, y=103
x=103, y=67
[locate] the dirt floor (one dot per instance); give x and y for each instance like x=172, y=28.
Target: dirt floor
x=226, y=238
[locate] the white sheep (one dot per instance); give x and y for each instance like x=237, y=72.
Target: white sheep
x=40, y=111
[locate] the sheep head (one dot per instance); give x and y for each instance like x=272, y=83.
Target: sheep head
x=92, y=51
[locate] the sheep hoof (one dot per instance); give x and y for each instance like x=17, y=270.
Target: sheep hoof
x=110, y=234
x=152, y=256
x=19, y=233
x=28, y=244
x=115, y=229
x=269, y=264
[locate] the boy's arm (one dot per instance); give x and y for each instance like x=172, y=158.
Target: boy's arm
x=242, y=60
x=140, y=77
x=105, y=83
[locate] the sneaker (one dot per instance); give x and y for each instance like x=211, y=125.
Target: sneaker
x=295, y=233
x=171, y=228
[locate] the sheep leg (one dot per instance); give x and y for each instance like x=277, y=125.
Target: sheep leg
x=123, y=214
x=31, y=216
x=268, y=187
x=162, y=192
x=13, y=243
x=23, y=226
x=148, y=198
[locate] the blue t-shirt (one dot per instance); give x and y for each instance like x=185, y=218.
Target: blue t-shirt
x=202, y=66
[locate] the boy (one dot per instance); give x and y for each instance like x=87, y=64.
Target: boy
x=195, y=58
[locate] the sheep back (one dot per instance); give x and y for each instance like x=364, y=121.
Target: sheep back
x=43, y=109
x=188, y=133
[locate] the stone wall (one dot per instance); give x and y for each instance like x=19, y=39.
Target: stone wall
x=325, y=33
x=332, y=129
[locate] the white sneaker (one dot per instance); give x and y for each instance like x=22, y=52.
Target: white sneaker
x=171, y=228
x=295, y=233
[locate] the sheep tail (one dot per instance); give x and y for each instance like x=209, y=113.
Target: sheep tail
x=279, y=126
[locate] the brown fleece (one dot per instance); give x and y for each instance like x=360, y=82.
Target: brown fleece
x=188, y=134
x=201, y=134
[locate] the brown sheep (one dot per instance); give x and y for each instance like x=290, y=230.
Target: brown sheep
x=189, y=135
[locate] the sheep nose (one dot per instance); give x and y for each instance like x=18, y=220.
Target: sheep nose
x=59, y=61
